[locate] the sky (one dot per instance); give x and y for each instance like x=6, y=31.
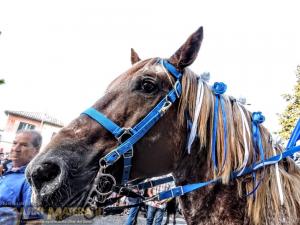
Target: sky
x=58, y=56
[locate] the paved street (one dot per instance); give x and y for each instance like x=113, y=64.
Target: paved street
x=107, y=220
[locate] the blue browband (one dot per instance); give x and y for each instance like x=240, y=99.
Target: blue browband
x=125, y=149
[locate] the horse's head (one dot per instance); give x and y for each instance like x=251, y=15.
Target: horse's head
x=62, y=174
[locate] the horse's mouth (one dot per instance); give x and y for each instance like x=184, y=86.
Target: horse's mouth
x=76, y=200
x=73, y=205
x=60, y=210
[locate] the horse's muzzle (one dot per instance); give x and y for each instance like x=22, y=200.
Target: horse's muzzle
x=45, y=178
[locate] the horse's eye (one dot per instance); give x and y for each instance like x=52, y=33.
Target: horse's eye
x=148, y=86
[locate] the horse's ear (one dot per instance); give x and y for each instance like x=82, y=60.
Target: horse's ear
x=188, y=52
x=134, y=57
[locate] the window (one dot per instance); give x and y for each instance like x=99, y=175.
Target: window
x=25, y=126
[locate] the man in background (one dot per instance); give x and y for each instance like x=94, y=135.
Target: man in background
x=156, y=209
x=15, y=192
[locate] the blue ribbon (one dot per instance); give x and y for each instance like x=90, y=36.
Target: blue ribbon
x=225, y=131
x=257, y=119
x=214, y=137
x=218, y=89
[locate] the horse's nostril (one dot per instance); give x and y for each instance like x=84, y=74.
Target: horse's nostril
x=44, y=173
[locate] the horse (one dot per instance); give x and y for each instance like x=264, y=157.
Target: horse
x=64, y=172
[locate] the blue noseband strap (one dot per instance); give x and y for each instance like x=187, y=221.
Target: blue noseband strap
x=104, y=121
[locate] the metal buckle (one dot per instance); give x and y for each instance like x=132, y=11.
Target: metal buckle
x=103, y=163
x=128, y=154
x=127, y=131
x=165, y=107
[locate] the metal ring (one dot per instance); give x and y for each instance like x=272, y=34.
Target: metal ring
x=102, y=163
x=112, y=184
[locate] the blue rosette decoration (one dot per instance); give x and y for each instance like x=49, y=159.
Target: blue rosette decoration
x=258, y=118
x=219, y=88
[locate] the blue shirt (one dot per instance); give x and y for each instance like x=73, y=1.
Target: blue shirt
x=15, y=192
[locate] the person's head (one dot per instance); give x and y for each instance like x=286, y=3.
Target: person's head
x=25, y=146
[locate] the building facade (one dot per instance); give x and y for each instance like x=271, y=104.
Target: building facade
x=47, y=125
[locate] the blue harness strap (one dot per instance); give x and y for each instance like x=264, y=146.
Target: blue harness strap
x=144, y=127
x=104, y=121
x=153, y=183
x=181, y=190
x=117, y=131
x=295, y=136
x=171, y=69
x=257, y=118
x=125, y=149
x=172, y=97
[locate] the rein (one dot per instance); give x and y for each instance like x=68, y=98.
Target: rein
x=104, y=184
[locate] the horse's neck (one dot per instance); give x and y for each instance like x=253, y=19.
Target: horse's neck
x=217, y=204
x=214, y=204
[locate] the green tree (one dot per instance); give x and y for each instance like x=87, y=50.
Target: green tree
x=2, y=81
x=291, y=114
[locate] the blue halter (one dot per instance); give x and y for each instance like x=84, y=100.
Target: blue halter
x=125, y=149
